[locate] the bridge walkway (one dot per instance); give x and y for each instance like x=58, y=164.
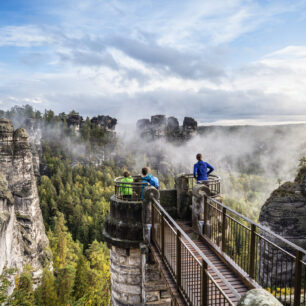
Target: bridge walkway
x=233, y=279
x=193, y=271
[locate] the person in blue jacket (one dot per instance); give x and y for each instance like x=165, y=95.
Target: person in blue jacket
x=148, y=178
x=200, y=172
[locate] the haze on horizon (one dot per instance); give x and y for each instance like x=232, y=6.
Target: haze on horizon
x=221, y=61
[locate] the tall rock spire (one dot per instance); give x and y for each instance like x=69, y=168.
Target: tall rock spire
x=22, y=233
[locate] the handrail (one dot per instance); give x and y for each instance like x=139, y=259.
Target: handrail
x=130, y=191
x=270, y=260
x=296, y=247
x=210, y=264
x=213, y=183
x=211, y=177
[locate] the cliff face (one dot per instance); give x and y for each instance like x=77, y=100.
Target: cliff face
x=285, y=211
x=22, y=233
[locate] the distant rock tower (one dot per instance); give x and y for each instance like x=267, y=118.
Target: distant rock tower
x=134, y=275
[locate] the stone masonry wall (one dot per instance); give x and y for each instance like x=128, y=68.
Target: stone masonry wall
x=154, y=289
x=135, y=278
x=126, y=276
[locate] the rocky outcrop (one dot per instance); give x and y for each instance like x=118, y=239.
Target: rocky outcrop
x=107, y=122
x=190, y=127
x=74, y=121
x=285, y=210
x=168, y=128
x=284, y=213
x=258, y=297
x=33, y=127
x=22, y=233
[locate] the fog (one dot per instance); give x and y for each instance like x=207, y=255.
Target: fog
x=266, y=155
x=260, y=157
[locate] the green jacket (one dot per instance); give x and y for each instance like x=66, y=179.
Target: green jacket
x=126, y=189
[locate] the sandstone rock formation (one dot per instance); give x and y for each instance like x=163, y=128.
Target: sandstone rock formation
x=258, y=297
x=160, y=127
x=190, y=127
x=33, y=127
x=74, y=121
x=284, y=213
x=107, y=122
x=22, y=233
x=285, y=210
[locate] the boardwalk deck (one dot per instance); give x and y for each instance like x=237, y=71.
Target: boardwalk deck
x=227, y=273
x=190, y=273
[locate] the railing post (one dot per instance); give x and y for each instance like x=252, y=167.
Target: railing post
x=162, y=233
x=178, y=258
x=152, y=233
x=205, y=215
x=223, y=229
x=298, y=278
x=252, y=251
x=204, y=284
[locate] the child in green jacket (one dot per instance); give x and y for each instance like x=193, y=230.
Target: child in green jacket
x=126, y=189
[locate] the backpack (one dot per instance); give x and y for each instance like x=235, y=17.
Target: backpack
x=154, y=182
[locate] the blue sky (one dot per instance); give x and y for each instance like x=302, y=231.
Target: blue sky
x=219, y=61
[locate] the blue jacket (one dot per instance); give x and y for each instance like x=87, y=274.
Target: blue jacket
x=200, y=170
x=152, y=180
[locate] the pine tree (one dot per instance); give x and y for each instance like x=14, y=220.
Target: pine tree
x=45, y=294
x=23, y=293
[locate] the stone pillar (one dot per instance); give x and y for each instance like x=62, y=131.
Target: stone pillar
x=126, y=276
x=134, y=274
x=198, y=193
x=154, y=289
x=183, y=196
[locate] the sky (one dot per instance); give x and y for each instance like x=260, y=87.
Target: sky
x=221, y=61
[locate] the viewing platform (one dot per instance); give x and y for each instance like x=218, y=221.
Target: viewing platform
x=213, y=183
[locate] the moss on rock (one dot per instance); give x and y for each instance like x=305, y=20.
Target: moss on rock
x=4, y=191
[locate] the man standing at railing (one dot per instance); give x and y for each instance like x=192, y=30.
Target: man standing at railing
x=200, y=172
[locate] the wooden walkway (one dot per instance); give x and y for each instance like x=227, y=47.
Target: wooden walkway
x=193, y=283
x=233, y=279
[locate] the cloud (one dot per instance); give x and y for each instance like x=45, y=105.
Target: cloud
x=136, y=59
x=22, y=36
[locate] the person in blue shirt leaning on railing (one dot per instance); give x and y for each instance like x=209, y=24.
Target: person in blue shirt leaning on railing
x=200, y=172
x=148, y=179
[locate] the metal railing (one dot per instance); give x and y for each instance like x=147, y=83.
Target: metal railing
x=270, y=260
x=213, y=183
x=186, y=262
x=130, y=191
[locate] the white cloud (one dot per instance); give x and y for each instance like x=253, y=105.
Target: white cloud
x=22, y=36
x=135, y=58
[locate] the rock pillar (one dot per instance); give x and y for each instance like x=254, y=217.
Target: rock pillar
x=183, y=196
x=22, y=233
x=198, y=193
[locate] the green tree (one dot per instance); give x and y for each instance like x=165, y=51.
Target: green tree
x=5, y=283
x=23, y=293
x=45, y=294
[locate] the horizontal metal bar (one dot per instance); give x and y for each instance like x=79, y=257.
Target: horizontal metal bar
x=234, y=291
